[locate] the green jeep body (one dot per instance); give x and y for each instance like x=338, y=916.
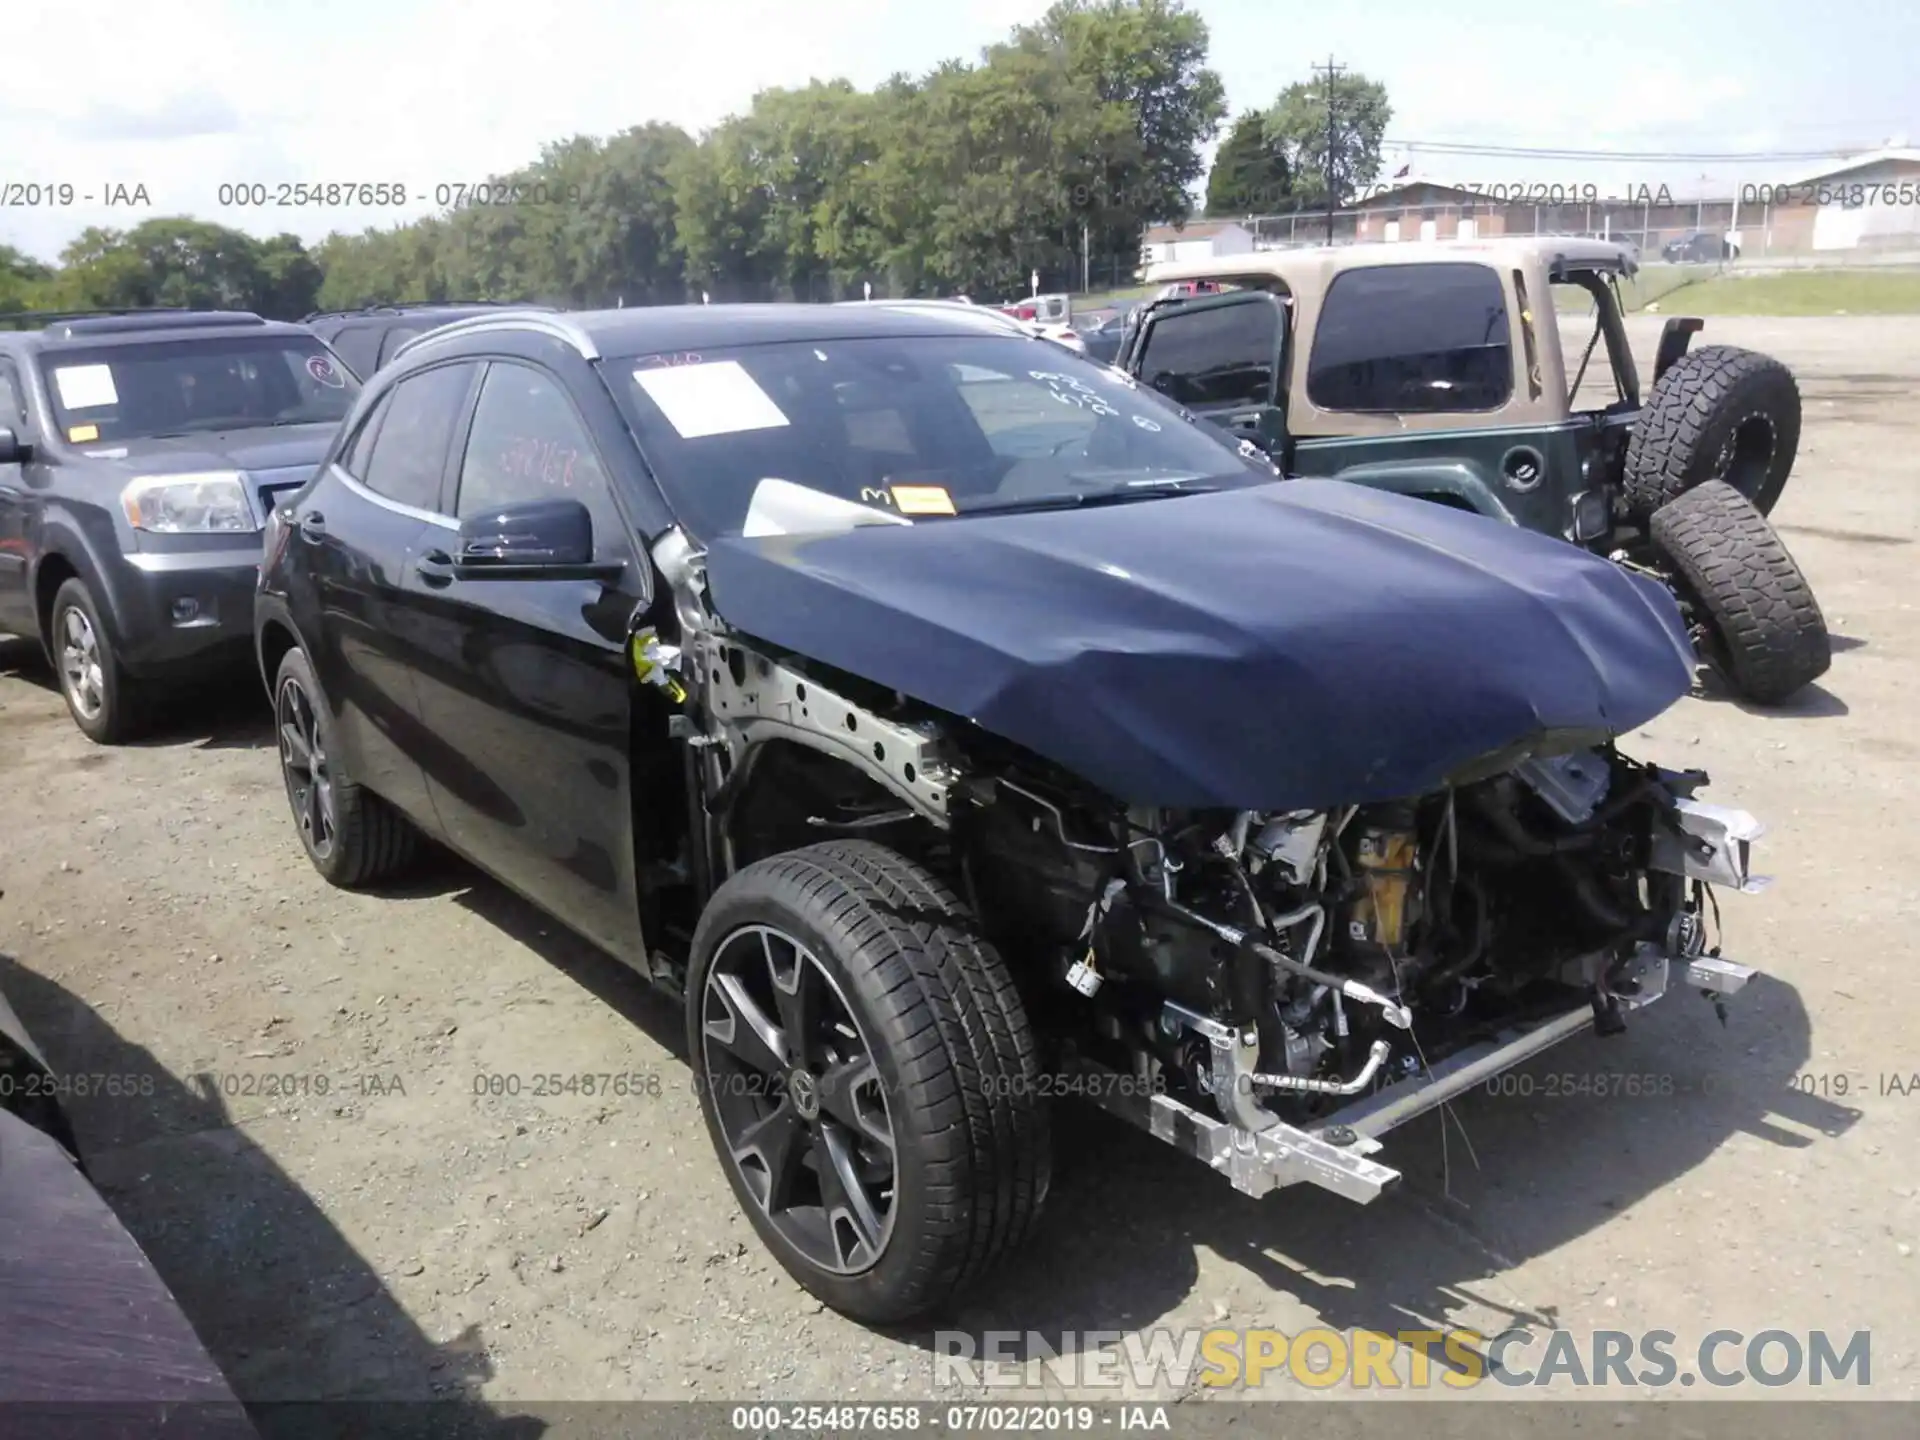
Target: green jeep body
x=1439, y=369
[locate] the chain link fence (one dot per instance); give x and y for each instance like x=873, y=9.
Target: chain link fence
x=1681, y=232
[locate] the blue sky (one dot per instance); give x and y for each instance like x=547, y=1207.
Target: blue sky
x=445, y=91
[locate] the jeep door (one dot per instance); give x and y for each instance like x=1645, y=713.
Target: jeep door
x=1223, y=358
x=1414, y=382
x=525, y=681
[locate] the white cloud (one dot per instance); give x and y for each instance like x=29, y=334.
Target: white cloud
x=183, y=96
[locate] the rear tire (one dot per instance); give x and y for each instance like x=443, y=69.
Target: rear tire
x=107, y=703
x=1719, y=413
x=1767, y=634
x=896, y=963
x=351, y=835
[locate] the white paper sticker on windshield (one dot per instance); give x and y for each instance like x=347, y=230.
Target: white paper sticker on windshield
x=82, y=387
x=716, y=398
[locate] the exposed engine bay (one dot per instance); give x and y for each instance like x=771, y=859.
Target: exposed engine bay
x=1268, y=990
x=1277, y=966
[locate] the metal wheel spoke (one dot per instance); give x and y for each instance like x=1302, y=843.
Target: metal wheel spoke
x=770, y=1152
x=815, y=1151
x=852, y=1093
x=79, y=633
x=798, y=993
x=843, y=1195
x=294, y=746
x=316, y=822
x=747, y=1031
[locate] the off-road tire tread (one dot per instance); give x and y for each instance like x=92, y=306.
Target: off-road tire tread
x=1771, y=635
x=966, y=1055
x=1668, y=453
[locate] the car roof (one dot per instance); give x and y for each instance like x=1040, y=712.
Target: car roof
x=70, y=330
x=653, y=329
x=1314, y=264
x=400, y=309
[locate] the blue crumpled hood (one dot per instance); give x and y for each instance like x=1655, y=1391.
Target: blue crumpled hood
x=1301, y=644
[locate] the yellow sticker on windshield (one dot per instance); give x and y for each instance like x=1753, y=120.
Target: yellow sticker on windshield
x=81, y=434
x=922, y=500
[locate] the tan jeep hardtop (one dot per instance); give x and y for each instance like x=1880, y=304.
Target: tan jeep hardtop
x=1528, y=267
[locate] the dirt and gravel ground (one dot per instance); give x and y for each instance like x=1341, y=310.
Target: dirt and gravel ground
x=406, y=1235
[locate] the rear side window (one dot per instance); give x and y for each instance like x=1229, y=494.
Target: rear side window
x=358, y=346
x=354, y=461
x=1411, y=339
x=528, y=443
x=391, y=342
x=1222, y=355
x=410, y=451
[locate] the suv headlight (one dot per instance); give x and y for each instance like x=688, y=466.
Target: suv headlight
x=203, y=503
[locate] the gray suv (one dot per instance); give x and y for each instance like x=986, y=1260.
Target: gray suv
x=140, y=452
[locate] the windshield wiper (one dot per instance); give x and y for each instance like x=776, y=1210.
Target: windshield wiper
x=1083, y=499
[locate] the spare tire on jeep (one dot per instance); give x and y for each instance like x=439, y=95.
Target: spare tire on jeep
x=1765, y=632
x=1719, y=413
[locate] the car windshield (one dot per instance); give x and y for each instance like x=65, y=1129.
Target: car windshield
x=188, y=385
x=925, y=426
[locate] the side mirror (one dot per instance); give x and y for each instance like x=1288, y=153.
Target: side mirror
x=13, y=450
x=531, y=540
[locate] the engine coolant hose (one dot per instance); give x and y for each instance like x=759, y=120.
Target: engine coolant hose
x=1395, y=1013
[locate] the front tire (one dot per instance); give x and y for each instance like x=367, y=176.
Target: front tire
x=107, y=704
x=351, y=835
x=868, y=1077
x=1766, y=632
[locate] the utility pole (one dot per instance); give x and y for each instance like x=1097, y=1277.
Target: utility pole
x=1333, y=189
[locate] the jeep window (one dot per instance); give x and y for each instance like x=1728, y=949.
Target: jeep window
x=1222, y=355
x=1591, y=384
x=528, y=443
x=182, y=387
x=410, y=450
x=1412, y=339
x=995, y=422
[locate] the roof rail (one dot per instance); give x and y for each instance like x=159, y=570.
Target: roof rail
x=396, y=306
x=548, y=322
x=19, y=319
x=132, y=322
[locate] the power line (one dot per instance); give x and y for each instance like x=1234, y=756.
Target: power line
x=1446, y=147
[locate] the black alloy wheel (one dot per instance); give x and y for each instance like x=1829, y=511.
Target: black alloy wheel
x=799, y=1098
x=303, y=763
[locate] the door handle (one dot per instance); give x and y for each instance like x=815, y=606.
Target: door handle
x=435, y=567
x=313, y=527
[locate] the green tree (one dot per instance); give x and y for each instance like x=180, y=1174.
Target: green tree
x=289, y=279
x=1249, y=175
x=1144, y=61
x=1077, y=129
x=24, y=281
x=1297, y=127
x=721, y=210
x=176, y=261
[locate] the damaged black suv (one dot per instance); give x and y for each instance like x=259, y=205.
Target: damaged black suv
x=953, y=723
